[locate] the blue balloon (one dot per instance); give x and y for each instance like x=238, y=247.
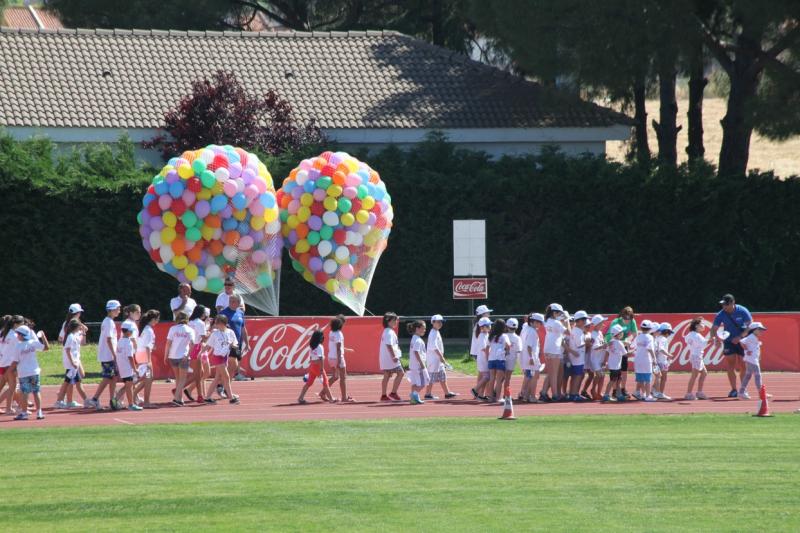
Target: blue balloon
x=267, y=200
x=173, y=161
x=170, y=268
x=239, y=200
x=230, y=224
x=218, y=203
x=310, y=185
x=162, y=187
x=243, y=228
x=147, y=199
x=289, y=186
x=176, y=189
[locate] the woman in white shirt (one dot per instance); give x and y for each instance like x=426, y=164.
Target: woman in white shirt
x=556, y=325
x=697, y=344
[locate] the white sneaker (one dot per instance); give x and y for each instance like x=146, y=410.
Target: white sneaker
x=649, y=399
x=702, y=396
x=689, y=396
x=74, y=405
x=664, y=396
x=743, y=396
x=60, y=404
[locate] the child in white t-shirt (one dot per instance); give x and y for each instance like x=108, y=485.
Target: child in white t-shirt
x=697, y=343
x=106, y=350
x=198, y=365
x=596, y=351
x=144, y=358
x=529, y=360
x=181, y=339
x=389, y=359
x=26, y=366
x=616, y=351
x=218, y=347
x=556, y=325
x=513, y=353
x=8, y=343
x=644, y=354
x=71, y=359
x=316, y=369
x=126, y=363
x=481, y=343
x=662, y=360
x=435, y=360
x=496, y=352
x=336, y=359
x=417, y=370
x=577, y=356
x=751, y=343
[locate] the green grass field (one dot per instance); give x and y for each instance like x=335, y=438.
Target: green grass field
x=600, y=473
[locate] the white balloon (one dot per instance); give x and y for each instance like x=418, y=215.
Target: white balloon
x=302, y=177
x=222, y=174
x=274, y=226
x=207, y=156
x=358, y=239
x=166, y=253
x=199, y=283
x=229, y=252
x=217, y=234
x=330, y=218
x=342, y=253
x=239, y=185
x=155, y=240
x=364, y=229
x=329, y=266
x=324, y=248
x=213, y=271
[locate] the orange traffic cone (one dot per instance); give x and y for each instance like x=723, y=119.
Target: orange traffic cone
x=763, y=406
x=508, y=409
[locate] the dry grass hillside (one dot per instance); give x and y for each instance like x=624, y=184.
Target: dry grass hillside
x=781, y=157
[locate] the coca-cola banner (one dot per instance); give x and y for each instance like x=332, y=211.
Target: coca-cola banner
x=470, y=289
x=780, y=351
x=278, y=346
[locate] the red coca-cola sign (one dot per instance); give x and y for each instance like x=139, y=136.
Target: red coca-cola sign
x=470, y=288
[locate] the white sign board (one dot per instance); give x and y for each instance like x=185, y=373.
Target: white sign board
x=469, y=247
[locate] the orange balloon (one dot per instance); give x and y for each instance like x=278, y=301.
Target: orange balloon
x=213, y=221
x=285, y=199
x=373, y=177
x=231, y=237
x=215, y=247
x=189, y=156
x=301, y=230
x=179, y=246
x=195, y=254
x=319, y=163
x=304, y=259
x=293, y=173
x=338, y=177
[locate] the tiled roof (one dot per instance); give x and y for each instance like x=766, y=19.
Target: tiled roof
x=373, y=79
x=23, y=17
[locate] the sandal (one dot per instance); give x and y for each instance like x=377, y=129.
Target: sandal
x=349, y=399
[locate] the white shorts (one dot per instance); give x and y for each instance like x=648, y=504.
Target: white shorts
x=554, y=355
x=511, y=363
x=418, y=378
x=663, y=365
x=483, y=363
x=698, y=364
x=596, y=362
x=332, y=363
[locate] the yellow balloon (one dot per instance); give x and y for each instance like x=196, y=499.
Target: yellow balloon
x=240, y=214
x=168, y=235
x=303, y=213
x=332, y=286
x=371, y=238
x=166, y=169
x=306, y=199
x=302, y=246
x=351, y=163
x=359, y=285
x=204, y=194
x=292, y=222
x=169, y=219
x=217, y=188
x=362, y=216
x=334, y=191
x=257, y=223
x=185, y=171
x=285, y=230
x=347, y=219
x=190, y=272
x=180, y=262
x=271, y=214
x=308, y=276
x=330, y=203
x=207, y=232
x=368, y=202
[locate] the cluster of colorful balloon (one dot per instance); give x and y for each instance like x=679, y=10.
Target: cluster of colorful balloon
x=336, y=216
x=212, y=214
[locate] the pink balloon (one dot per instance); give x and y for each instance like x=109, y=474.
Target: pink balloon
x=261, y=185
x=259, y=256
x=245, y=242
x=256, y=209
x=346, y=271
x=164, y=201
x=350, y=192
x=251, y=191
x=294, y=205
x=352, y=180
x=319, y=194
x=229, y=187
x=235, y=169
x=306, y=164
x=188, y=197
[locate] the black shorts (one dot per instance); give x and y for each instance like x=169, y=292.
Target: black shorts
x=624, y=367
x=614, y=374
x=732, y=349
x=236, y=353
x=108, y=369
x=129, y=378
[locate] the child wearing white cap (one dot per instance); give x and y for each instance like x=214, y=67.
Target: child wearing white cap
x=697, y=344
x=644, y=355
x=336, y=359
x=475, y=346
x=513, y=353
x=482, y=358
x=556, y=325
x=435, y=360
x=577, y=356
x=73, y=369
x=106, y=350
x=498, y=349
x=662, y=359
x=26, y=366
x=74, y=311
x=751, y=343
x=125, y=363
x=529, y=360
x=417, y=372
x=596, y=350
x=616, y=351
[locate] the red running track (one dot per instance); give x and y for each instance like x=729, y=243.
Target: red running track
x=275, y=399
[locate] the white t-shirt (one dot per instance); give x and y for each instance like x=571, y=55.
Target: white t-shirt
x=222, y=301
x=387, y=355
x=25, y=356
x=108, y=330
x=532, y=342
x=641, y=360
x=752, y=349
x=147, y=339
x=662, y=343
x=317, y=354
x=577, y=343
x=475, y=345
x=74, y=344
x=554, y=336
x=431, y=357
x=483, y=359
x=417, y=345
x=616, y=350
x=334, y=338
x=200, y=328
x=181, y=336
x=497, y=348
x=221, y=342
x=188, y=308
x=124, y=350
x=696, y=343
x=61, y=332
x=8, y=348
x=515, y=350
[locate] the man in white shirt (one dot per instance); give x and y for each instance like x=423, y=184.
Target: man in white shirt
x=224, y=297
x=184, y=301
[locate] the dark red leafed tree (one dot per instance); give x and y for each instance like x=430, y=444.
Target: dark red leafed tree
x=219, y=111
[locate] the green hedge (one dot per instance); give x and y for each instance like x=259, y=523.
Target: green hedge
x=585, y=232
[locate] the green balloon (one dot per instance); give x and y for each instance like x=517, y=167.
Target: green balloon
x=193, y=234
x=326, y=232
x=207, y=178
x=298, y=266
x=198, y=165
x=215, y=285
x=220, y=260
x=324, y=182
x=344, y=205
x=313, y=238
x=189, y=219
x=139, y=217
x=284, y=214
x=264, y=279
x=361, y=192
x=158, y=178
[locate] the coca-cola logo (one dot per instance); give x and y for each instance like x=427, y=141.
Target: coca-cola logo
x=679, y=351
x=282, y=347
x=470, y=288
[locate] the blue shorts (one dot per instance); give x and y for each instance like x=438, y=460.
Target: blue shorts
x=498, y=364
x=29, y=384
x=528, y=373
x=108, y=370
x=576, y=370
x=72, y=377
x=643, y=378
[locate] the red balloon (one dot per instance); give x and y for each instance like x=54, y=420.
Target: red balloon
x=155, y=255
x=180, y=229
x=151, y=189
x=321, y=277
x=339, y=236
x=317, y=209
x=195, y=185
x=153, y=208
x=326, y=155
x=220, y=161
x=356, y=203
x=178, y=207
x=328, y=170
